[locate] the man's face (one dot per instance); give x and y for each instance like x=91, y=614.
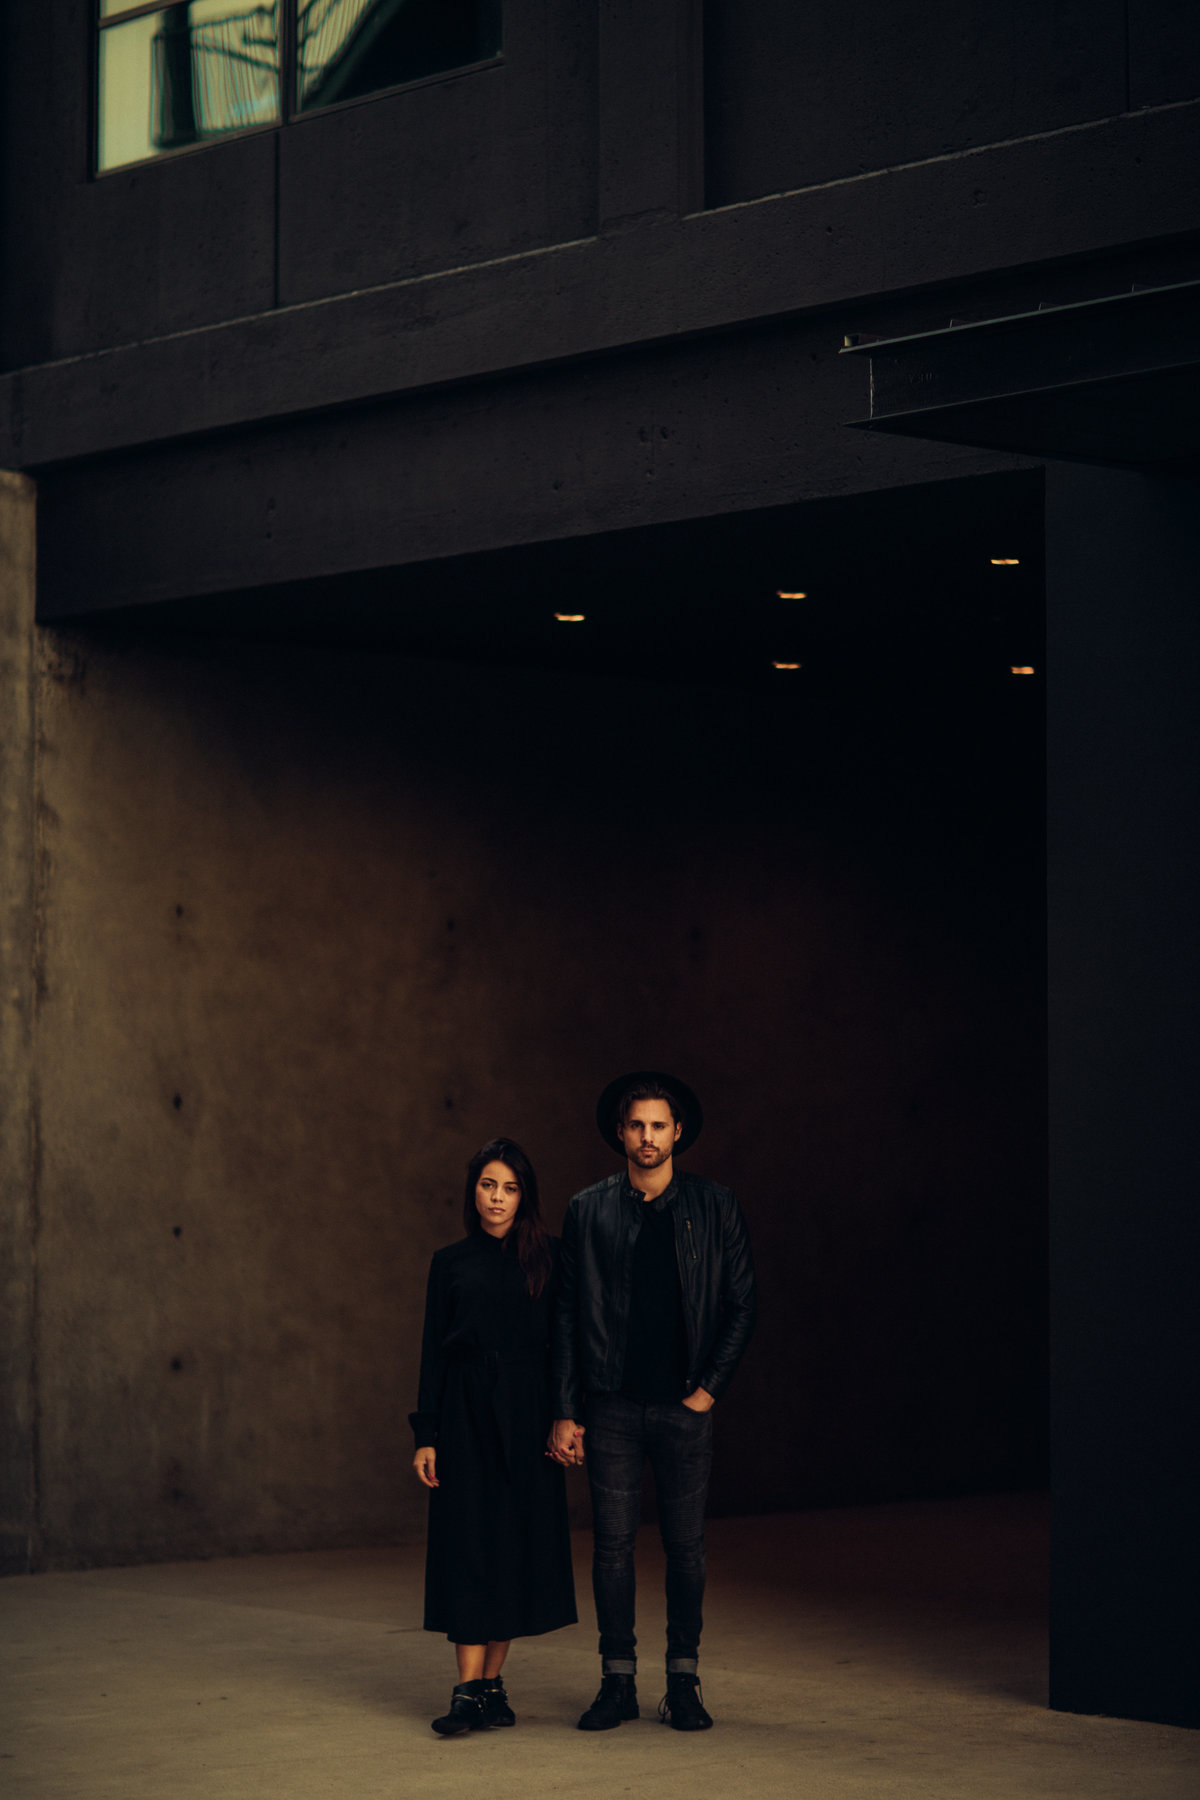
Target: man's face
x=649, y=1134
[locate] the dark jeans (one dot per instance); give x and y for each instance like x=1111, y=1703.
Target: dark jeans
x=621, y=1434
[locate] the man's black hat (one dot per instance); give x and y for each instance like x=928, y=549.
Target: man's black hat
x=690, y=1109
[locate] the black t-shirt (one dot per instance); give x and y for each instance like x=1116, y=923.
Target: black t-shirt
x=656, y=1347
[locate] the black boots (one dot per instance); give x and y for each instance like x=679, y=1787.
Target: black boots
x=496, y=1710
x=617, y=1700
x=468, y=1710
x=474, y=1705
x=682, y=1705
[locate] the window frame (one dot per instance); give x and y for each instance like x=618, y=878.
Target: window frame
x=289, y=112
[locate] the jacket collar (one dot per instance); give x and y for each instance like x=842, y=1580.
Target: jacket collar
x=667, y=1198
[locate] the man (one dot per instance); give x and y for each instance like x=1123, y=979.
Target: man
x=656, y=1304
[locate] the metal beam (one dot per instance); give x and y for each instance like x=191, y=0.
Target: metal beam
x=1110, y=380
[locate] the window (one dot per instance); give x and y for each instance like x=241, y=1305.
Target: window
x=169, y=77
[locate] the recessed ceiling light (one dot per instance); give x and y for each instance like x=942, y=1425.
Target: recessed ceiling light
x=570, y=618
x=1023, y=669
x=783, y=665
x=1006, y=562
x=780, y=595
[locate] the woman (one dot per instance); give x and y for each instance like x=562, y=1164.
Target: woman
x=498, y=1564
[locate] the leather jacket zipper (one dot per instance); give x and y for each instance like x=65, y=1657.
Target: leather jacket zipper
x=688, y=1322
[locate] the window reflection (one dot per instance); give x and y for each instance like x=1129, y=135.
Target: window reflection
x=176, y=75
x=345, y=48
x=186, y=75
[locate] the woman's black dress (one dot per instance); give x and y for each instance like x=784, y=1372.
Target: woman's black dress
x=498, y=1563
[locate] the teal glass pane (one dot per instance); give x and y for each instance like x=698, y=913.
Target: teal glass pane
x=189, y=74
x=347, y=48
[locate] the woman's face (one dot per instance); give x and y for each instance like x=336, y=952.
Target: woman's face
x=497, y=1197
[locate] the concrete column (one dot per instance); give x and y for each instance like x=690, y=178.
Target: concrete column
x=18, y=935
x=1123, y=748
x=651, y=152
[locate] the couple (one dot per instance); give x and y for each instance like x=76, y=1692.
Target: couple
x=646, y=1306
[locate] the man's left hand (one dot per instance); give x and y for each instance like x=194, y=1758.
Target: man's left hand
x=699, y=1400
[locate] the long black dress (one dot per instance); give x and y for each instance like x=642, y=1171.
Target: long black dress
x=498, y=1563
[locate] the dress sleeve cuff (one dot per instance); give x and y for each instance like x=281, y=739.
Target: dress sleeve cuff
x=425, y=1429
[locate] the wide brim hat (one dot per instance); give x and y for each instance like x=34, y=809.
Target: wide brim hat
x=610, y=1099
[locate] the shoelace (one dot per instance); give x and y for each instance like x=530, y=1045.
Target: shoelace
x=664, y=1705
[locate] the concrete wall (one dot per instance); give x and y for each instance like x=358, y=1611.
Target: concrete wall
x=312, y=926
x=801, y=95
x=603, y=119
x=805, y=94
x=1124, y=869
x=360, y=194
x=18, y=958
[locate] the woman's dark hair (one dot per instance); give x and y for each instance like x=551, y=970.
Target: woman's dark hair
x=528, y=1233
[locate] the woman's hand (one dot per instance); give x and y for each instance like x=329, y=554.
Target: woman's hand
x=565, y=1443
x=425, y=1463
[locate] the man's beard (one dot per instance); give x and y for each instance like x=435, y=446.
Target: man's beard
x=650, y=1158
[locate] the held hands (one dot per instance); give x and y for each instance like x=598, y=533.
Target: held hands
x=699, y=1400
x=565, y=1443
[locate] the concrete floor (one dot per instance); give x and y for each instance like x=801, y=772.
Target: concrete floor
x=886, y=1651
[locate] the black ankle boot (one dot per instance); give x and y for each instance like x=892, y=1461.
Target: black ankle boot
x=682, y=1705
x=467, y=1711
x=617, y=1700
x=496, y=1710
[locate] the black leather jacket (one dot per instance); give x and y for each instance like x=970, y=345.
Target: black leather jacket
x=595, y=1279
